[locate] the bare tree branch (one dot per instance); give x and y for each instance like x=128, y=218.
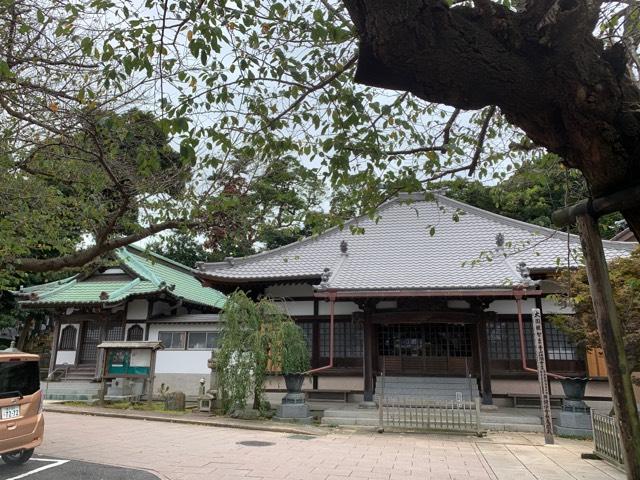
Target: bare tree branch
x=481, y=138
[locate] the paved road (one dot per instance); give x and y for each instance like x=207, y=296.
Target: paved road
x=44, y=468
x=190, y=452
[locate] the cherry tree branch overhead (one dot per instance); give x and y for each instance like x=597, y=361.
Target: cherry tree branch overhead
x=569, y=90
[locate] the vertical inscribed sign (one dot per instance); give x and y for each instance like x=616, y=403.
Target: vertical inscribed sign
x=545, y=404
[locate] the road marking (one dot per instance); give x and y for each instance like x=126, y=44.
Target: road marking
x=56, y=463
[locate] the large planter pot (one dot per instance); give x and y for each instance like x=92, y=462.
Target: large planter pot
x=294, y=382
x=574, y=388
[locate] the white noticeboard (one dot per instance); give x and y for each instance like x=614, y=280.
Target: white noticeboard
x=545, y=403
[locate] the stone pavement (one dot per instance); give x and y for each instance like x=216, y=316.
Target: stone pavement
x=186, y=452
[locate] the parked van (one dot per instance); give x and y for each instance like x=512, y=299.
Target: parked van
x=21, y=405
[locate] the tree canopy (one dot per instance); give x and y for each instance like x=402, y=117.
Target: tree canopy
x=625, y=280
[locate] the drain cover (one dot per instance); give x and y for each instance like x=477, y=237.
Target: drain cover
x=255, y=443
x=301, y=436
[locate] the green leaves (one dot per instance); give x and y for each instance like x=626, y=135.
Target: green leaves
x=5, y=70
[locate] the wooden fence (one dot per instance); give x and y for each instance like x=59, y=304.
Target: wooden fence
x=606, y=438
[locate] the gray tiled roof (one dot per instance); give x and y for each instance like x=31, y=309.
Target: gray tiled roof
x=398, y=251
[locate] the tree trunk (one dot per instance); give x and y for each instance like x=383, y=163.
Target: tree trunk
x=24, y=333
x=611, y=336
x=541, y=66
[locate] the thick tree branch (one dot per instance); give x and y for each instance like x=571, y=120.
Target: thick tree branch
x=540, y=65
x=84, y=256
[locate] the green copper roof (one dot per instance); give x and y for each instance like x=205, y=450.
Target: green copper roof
x=144, y=273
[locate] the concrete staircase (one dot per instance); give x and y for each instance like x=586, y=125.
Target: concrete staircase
x=78, y=390
x=436, y=389
x=81, y=373
x=432, y=388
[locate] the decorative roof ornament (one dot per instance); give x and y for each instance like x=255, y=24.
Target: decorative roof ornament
x=230, y=261
x=344, y=246
x=500, y=240
x=324, y=277
x=525, y=274
x=104, y=296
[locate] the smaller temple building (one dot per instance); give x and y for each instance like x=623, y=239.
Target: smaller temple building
x=138, y=296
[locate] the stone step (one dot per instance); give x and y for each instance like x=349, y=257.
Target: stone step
x=70, y=396
x=70, y=384
x=489, y=418
x=427, y=380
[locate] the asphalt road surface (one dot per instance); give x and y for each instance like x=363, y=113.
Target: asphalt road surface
x=41, y=468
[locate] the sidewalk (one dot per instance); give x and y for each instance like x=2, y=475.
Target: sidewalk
x=187, y=419
x=192, y=452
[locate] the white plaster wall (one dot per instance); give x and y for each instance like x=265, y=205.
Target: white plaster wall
x=341, y=308
x=296, y=307
x=289, y=290
x=508, y=307
x=66, y=356
x=387, y=304
x=461, y=304
x=137, y=309
x=182, y=361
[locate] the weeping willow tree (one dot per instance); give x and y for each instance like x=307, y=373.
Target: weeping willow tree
x=251, y=338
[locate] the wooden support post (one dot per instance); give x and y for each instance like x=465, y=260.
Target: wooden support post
x=611, y=337
x=367, y=360
x=54, y=345
x=152, y=376
x=485, y=366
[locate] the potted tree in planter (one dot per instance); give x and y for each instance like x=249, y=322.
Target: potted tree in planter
x=294, y=360
x=294, y=357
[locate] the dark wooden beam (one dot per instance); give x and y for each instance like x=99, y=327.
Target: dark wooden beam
x=627, y=199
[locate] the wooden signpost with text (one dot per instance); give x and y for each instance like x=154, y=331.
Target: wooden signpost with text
x=545, y=403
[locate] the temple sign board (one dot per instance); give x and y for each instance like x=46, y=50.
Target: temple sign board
x=135, y=360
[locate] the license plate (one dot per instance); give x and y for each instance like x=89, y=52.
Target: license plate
x=10, y=412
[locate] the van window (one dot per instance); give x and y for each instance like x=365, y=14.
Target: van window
x=23, y=377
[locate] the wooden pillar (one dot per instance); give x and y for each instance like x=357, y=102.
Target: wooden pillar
x=54, y=345
x=100, y=357
x=611, y=336
x=485, y=365
x=315, y=343
x=152, y=377
x=367, y=355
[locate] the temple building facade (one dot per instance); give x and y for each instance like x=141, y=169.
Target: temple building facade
x=430, y=288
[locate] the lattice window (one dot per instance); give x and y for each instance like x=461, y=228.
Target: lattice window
x=115, y=332
x=348, y=339
x=559, y=346
x=307, y=331
x=135, y=333
x=431, y=340
x=68, y=338
x=503, y=337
